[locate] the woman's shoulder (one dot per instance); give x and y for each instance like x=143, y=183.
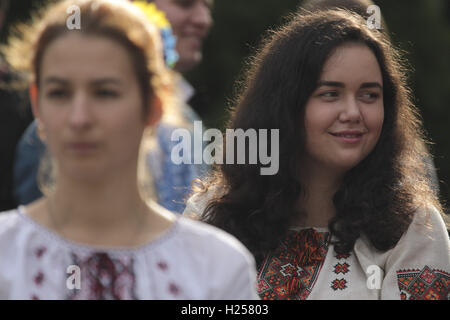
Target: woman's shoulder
x=10, y=222
x=425, y=240
x=204, y=235
x=221, y=256
x=429, y=223
x=426, y=235
x=421, y=257
x=13, y=232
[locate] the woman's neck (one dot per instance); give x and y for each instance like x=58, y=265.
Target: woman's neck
x=110, y=213
x=100, y=206
x=316, y=204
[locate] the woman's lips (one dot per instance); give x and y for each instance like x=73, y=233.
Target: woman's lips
x=193, y=41
x=348, y=137
x=82, y=147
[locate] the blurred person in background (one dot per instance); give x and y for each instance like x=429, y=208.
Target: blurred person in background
x=191, y=21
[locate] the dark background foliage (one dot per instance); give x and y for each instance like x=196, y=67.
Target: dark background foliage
x=419, y=27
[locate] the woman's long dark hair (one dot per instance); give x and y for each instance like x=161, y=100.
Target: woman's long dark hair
x=377, y=198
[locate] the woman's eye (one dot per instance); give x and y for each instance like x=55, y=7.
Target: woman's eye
x=57, y=93
x=329, y=94
x=370, y=96
x=184, y=3
x=104, y=93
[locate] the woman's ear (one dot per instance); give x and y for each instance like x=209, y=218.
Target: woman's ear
x=34, y=97
x=155, y=110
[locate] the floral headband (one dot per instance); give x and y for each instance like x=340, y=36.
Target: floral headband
x=158, y=18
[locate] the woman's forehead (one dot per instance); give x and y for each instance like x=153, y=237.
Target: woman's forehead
x=349, y=61
x=88, y=56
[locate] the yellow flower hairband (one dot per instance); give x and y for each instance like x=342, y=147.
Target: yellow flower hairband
x=158, y=18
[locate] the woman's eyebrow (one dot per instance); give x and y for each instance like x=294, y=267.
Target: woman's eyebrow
x=371, y=85
x=100, y=81
x=342, y=85
x=330, y=84
x=107, y=80
x=54, y=79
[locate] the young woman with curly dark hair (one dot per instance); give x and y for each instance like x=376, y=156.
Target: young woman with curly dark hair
x=350, y=213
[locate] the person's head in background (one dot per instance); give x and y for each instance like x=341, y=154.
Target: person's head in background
x=357, y=6
x=190, y=21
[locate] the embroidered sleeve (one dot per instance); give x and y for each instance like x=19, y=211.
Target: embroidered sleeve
x=419, y=266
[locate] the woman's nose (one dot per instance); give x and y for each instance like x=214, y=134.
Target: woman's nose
x=201, y=15
x=80, y=115
x=351, y=111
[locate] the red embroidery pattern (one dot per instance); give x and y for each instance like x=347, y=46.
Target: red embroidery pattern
x=291, y=271
x=340, y=256
x=339, y=284
x=425, y=284
x=174, y=290
x=104, y=278
x=39, y=278
x=162, y=265
x=341, y=268
x=40, y=252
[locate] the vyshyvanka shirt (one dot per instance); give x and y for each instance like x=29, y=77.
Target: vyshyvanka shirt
x=190, y=261
x=306, y=266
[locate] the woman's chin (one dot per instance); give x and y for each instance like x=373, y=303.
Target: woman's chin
x=344, y=165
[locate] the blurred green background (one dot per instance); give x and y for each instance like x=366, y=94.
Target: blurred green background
x=420, y=27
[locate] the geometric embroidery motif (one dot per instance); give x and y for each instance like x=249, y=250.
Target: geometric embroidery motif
x=339, y=284
x=291, y=270
x=425, y=284
x=104, y=278
x=341, y=268
x=340, y=256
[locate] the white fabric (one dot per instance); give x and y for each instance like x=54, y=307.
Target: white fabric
x=190, y=261
x=419, y=249
x=423, y=251
x=186, y=90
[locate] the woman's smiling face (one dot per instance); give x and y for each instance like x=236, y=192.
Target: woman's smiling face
x=344, y=115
